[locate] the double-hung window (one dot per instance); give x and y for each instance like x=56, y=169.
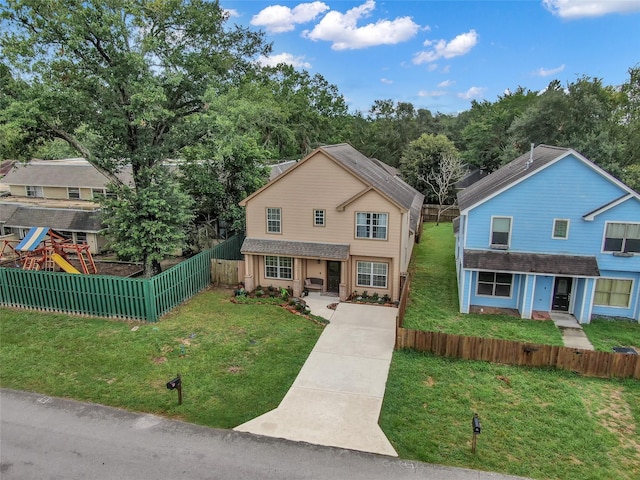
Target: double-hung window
x=278, y=267
x=494, y=284
x=560, y=228
x=613, y=292
x=73, y=193
x=622, y=237
x=274, y=220
x=34, y=192
x=372, y=274
x=500, y=231
x=371, y=225
x=318, y=218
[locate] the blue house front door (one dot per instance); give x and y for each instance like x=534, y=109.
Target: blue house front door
x=562, y=293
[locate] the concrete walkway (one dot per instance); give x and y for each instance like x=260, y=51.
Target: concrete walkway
x=337, y=396
x=572, y=333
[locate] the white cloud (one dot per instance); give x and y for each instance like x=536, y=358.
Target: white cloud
x=446, y=83
x=386, y=81
x=232, y=12
x=284, y=57
x=590, y=8
x=472, y=93
x=279, y=19
x=432, y=93
x=460, y=45
x=543, y=72
x=343, y=31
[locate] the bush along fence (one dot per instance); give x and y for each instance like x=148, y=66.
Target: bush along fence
x=114, y=297
x=585, y=362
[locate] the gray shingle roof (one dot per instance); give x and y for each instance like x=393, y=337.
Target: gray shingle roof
x=6, y=211
x=327, y=251
x=508, y=174
x=56, y=218
x=570, y=265
x=60, y=173
x=372, y=173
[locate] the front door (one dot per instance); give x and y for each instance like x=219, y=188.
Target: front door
x=333, y=277
x=562, y=294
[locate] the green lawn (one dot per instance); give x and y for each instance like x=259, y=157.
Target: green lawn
x=605, y=334
x=237, y=361
x=544, y=424
x=433, y=302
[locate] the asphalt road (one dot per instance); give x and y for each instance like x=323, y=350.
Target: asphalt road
x=51, y=438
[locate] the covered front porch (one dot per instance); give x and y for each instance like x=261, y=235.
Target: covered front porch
x=529, y=282
x=289, y=264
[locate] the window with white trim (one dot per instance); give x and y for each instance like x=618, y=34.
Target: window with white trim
x=34, y=192
x=371, y=225
x=494, y=284
x=274, y=220
x=81, y=237
x=278, y=267
x=613, y=292
x=560, y=228
x=318, y=218
x=500, y=231
x=73, y=193
x=622, y=237
x=372, y=274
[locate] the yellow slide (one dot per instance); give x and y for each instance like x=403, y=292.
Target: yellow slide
x=66, y=266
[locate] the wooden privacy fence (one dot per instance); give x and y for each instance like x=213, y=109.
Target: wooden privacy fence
x=430, y=213
x=585, y=362
x=113, y=297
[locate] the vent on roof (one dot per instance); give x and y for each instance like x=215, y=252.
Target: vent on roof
x=530, y=161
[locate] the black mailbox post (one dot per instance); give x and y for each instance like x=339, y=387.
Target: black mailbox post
x=176, y=384
x=477, y=429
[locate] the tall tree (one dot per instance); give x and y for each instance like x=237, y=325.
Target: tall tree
x=487, y=141
x=118, y=80
x=422, y=160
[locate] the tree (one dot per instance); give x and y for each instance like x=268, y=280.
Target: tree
x=422, y=158
x=486, y=137
x=118, y=80
x=442, y=180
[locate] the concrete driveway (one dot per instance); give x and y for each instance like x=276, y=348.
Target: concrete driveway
x=337, y=396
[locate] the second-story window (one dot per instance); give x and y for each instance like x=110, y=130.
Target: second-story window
x=318, y=218
x=561, y=228
x=371, y=225
x=274, y=220
x=622, y=237
x=500, y=231
x=35, y=192
x=73, y=193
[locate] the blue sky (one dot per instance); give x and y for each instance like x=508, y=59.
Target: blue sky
x=441, y=55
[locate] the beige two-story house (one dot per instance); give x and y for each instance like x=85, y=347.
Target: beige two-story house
x=337, y=216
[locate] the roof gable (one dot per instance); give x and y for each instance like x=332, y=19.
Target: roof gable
x=370, y=172
x=522, y=168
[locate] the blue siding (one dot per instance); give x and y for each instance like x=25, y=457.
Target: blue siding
x=543, y=293
x=568, y=189
x=537, y=201
x=500, y=302
x=631, y=311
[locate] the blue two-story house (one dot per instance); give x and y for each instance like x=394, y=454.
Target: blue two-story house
x=550, y=231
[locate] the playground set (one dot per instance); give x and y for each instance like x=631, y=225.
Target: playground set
x=44, y=249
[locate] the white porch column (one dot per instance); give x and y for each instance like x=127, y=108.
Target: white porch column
x=297, y=285
x=342, y=291
x=249, y=280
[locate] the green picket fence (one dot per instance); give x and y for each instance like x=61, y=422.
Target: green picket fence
x=114, y=297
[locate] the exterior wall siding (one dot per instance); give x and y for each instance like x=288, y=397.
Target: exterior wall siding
x=294, y=196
